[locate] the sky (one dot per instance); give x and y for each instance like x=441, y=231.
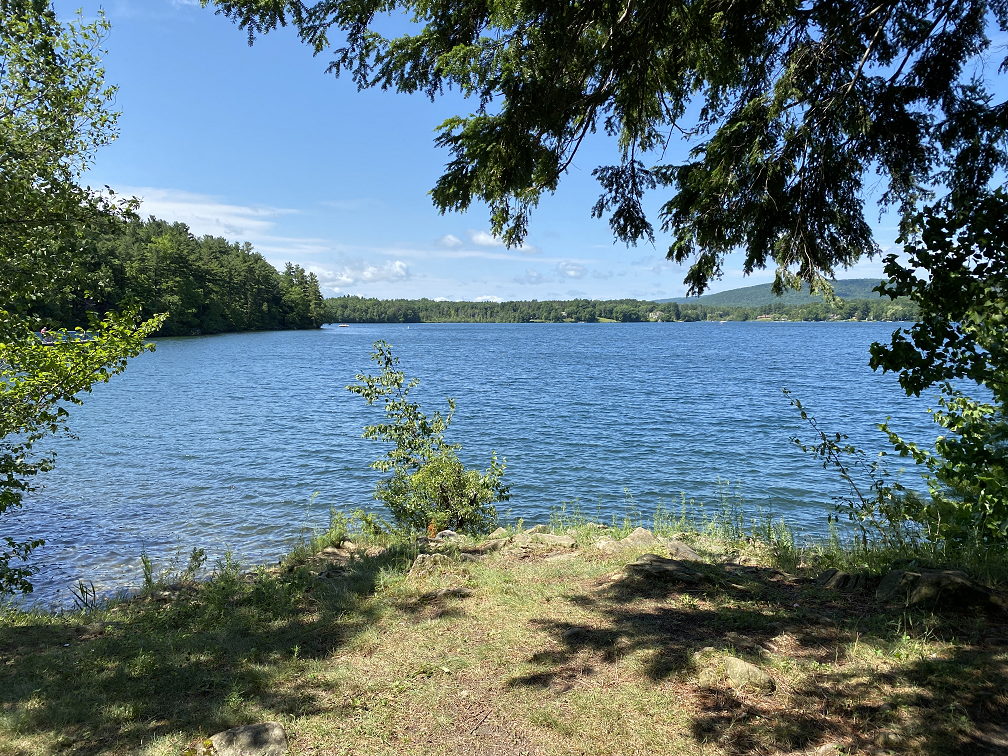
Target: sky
x=259, y=144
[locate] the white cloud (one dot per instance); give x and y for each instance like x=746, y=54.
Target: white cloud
x=449, y=240
x=205, y=214
x=532, y=277
x=354, y=272
x=486, y=239
x=571, y=270
x=489, y=298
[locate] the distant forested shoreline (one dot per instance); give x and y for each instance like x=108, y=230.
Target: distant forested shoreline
x=354, y=309
x=206, y=285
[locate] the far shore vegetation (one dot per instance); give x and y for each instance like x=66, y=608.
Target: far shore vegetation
x=355, y=309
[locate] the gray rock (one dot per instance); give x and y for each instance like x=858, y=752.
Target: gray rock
x=469, y=557
x=837, y=580
x=707, y=679
x=446, y=535
x=654, y=566
x=522, y=539
x=641, y=538
x=679, y=550
x=488, y=546
x=897, y=585
x=607, y=544
x=425, y=564
x=499, y=533
x=538, y=529
x=938, y=589
x=264, y=739
x=555, y=540
x=742, y=673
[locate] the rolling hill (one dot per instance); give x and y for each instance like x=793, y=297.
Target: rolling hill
x=757, y=296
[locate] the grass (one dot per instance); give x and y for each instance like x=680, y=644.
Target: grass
x=553, y=652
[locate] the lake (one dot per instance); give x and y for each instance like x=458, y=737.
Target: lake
x=243, y=441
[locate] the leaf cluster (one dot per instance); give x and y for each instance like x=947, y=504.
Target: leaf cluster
x=786, y=107
x=430, y=488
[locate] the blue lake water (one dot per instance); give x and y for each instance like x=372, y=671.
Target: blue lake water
x=222, y=441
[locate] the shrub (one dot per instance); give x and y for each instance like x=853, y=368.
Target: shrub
x=430, y=489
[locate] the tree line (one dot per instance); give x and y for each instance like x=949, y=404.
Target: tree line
x=205, y=285
x=354, y=309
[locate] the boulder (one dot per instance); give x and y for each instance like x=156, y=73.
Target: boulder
x=538, y=529
x=679, y=550
x=263, y=739
x=638, y=540
x=938, y=589
x=837, y=580
x=641, y=538
x=487, y=546
x=654, y=566
x=447, y=535
x=499, y=533
x=425, y=564
x=563, y=541
x=742, y=674
x=707, y=679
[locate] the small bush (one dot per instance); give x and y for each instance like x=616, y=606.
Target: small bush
x=430, y=489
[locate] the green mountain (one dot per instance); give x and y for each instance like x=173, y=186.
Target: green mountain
x=757, y=296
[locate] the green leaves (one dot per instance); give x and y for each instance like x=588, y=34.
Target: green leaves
x=785, y=108
x=430, y=487
x=957, y=272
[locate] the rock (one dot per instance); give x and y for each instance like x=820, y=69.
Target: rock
x=576, y=635
x=837, y=580
x=522, y=539
x=469, y=557
x=707, y=679
x=638, y=540
x=679, y=550
x=742, y=673
x=828, y=749
x=538, y=529
x=563, y=556
x=375, y=551
x=446, y=535
x=641, y=538
x=499, y=533
x=425, y=564
x=654, y=566
x=555, y=540
x=264, y=739
x=487, y=546
x=938, y=589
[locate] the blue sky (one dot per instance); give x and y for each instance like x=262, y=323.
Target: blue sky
x=260, y=145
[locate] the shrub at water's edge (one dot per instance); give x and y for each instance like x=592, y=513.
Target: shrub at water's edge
x=430, y=489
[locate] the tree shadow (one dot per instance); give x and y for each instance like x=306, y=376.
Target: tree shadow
x=197, y=658
x=954, y=703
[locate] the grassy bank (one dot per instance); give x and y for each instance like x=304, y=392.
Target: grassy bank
x=544, y=649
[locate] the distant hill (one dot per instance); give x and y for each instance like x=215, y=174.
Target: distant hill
x=757, y=296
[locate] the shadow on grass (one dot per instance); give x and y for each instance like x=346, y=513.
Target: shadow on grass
x=198, y=658
x=814, y=643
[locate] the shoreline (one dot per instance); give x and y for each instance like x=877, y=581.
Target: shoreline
x=552, y=635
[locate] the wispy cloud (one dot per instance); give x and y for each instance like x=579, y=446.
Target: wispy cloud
x=602, y=276
x=571, y=270
x=450, y=241
x=486, y=239
x=532, y=277
x=205, y=214
x=351, y=273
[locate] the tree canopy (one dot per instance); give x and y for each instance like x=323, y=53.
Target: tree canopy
x=788, y=107
x=54, y=113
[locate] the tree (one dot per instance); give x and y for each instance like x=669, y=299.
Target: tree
x=787, y=107
x=957, y=272
x=430, y=489
x=53, y=116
